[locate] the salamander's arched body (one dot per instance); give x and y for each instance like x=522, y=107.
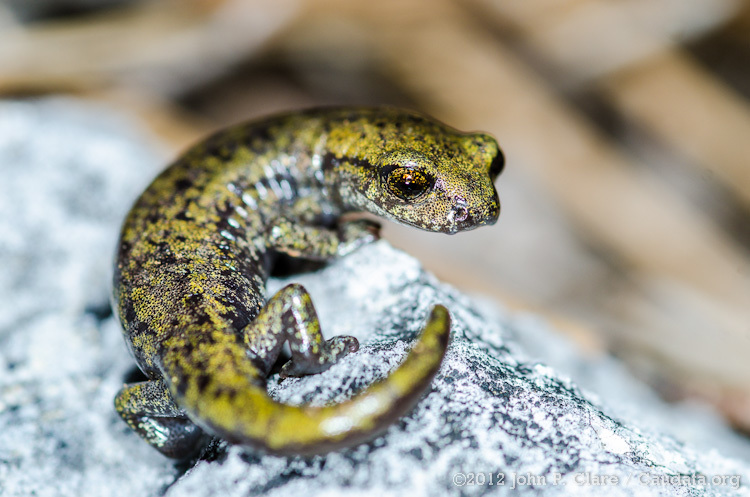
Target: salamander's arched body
x=199, y=244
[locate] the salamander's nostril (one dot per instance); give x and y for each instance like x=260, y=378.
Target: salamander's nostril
x=461, y=213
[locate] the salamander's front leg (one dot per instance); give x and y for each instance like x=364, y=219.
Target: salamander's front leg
x=290, y=316
x=312, y=242
x=149, y=410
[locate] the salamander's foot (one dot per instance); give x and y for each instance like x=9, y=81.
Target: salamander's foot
x=148, y=409
x=289, y=316
x=313, y=362
x=295, y=239
x=356, y=234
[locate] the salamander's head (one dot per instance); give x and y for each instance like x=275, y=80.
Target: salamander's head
x=421, y=173
x=447, y=192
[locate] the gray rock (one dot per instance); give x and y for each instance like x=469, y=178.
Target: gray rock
x=514, y=404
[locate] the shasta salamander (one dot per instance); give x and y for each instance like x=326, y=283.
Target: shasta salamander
x=199, y=244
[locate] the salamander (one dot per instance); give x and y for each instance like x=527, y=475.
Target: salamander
x=199, y=244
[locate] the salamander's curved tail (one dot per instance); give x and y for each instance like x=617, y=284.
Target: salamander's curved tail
x=234, y=405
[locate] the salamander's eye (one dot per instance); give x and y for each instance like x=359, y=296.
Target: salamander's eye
x=407, y=183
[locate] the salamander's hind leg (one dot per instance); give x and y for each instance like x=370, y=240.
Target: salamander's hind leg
x=149, y=410
x=290, y=316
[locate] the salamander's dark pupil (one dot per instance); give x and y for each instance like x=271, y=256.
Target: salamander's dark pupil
x=407, y=183
x=410, y=183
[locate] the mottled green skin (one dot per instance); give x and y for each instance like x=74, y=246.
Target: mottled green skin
x=199, y=244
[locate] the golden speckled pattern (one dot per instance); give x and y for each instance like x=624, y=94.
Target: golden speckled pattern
x=199, y=244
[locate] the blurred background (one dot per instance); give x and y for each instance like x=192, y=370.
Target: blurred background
x=625, y=124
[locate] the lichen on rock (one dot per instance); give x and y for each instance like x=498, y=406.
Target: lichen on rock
x=514, y=404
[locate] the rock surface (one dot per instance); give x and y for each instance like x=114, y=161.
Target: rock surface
x=514, y=405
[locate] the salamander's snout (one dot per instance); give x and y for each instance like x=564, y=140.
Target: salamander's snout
x=497, y=165
x=464, y=217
